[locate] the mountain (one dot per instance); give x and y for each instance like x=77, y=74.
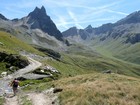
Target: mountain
x=35, y=28
x=120, y=39
x=128, y=24
x=76, y=34
x=3, y=17
x=40, y=20
x=132, y=18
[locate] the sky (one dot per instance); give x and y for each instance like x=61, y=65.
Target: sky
x=69, y=13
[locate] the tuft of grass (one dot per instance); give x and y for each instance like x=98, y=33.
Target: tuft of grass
x=36, y=85
x=2, y=67
x=1, y=100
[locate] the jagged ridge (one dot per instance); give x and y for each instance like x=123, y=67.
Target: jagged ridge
x=39, y=19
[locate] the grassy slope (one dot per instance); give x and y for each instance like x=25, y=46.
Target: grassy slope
x=78, y=60
x=81, y=60
x=119, y=49
x=1, y=100
x=95, y=89
x=99, y=89
x=12, y=45
x=132, y=54
x=90, y=88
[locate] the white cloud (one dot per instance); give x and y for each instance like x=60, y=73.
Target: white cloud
x=63, y=22
x=88, y=21
x=90, y=15
x=65, y=3
x=74, y=18
x=117, y=12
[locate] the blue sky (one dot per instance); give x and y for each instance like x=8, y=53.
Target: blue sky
x=69, y=13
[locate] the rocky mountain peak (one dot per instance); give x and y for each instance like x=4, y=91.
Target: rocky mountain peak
x=38, y=12
x=38, y=19
x=89, y=27
x=132, y=18
x=73, y=29
x=3, y=17
x=70, y=32
x=43, y=9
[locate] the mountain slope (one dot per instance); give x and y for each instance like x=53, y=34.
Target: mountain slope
x=10, y=44
x=121, y=39
x=40, y=20
x=98, y=89
x=76, y=34
x=3, y=17
x=10, y=49
x=36, y=28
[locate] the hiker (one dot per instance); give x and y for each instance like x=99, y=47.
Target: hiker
x=15, y=84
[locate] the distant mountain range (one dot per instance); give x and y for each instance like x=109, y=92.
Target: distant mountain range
x=128, y=25
x=122, y=39
x=36, y=28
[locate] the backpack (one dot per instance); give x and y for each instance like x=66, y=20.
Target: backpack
x=15, y=83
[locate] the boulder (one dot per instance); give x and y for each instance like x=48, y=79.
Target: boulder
x=3, y=74
x=107, y=71
x=56, y=90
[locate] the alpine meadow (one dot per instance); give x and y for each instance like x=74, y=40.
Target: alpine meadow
x=59, y=64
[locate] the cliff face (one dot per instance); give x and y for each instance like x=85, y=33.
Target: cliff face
x=38, y=19
x=3, y=17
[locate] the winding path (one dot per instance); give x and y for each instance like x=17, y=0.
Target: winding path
x=4, y=82
x=31, y=67
x=44, y=98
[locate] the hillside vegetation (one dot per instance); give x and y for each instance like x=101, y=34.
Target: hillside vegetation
x=11, y=44
x=82, y=78
x=80, y=59
x=96, y=89
x=99, y=89
x=118, y=49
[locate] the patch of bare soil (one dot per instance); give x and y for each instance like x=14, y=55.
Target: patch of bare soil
x=11, y=100
x=45, y=98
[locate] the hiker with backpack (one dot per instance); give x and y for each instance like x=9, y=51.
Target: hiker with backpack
x=15, y=84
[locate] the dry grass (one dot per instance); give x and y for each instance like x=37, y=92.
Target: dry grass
x=99, y=89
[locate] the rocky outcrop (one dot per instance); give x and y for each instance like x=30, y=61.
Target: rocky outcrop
x=70, y=32
x=107, y=72
x=50, y=53
x=76, y=32
x=132, y=18
x=13, y=60
x=89, y=29
x=56, y=90
x=38, y=19
x=32, y=76
x=133, y=38
x=3, y=17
